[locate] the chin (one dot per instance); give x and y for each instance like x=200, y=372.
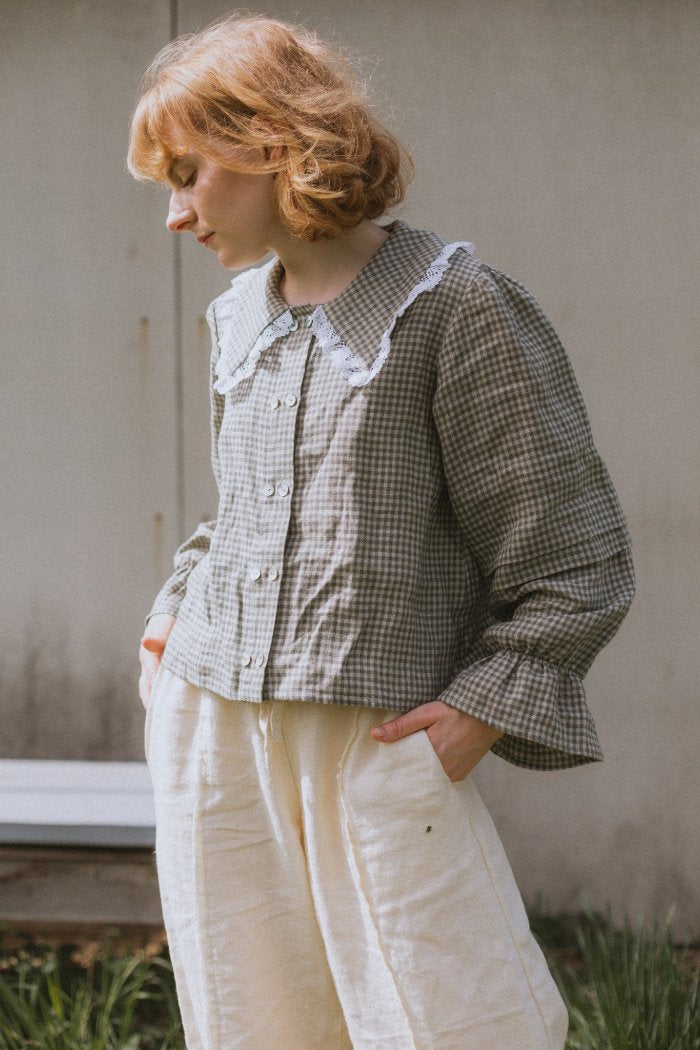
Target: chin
x=233, y=261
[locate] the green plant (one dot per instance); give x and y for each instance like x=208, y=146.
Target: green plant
x=629, y=989
x=49, y=1001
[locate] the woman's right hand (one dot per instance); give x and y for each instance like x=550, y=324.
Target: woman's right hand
x=150, y=651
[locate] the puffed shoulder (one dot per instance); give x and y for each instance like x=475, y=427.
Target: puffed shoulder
x=529, y=487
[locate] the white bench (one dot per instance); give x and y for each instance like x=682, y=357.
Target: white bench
x=59, y=803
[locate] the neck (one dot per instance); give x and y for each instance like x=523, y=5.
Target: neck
x=316, y=271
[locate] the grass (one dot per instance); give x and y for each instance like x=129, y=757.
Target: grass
x=102, y=995
x=626, y=989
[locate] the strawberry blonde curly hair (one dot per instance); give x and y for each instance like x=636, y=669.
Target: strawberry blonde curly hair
x=257, y=82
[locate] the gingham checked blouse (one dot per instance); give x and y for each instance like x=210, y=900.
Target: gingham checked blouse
x=411, y=505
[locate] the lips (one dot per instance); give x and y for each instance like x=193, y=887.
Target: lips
x=203, y=240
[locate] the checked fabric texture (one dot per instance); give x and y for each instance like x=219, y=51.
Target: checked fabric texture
x=411, y=505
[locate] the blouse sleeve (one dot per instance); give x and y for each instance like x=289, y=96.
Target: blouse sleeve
x=539, y=515
x=196, y=547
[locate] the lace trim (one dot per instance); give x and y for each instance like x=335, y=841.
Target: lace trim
x=282, y=325
x=341, y=356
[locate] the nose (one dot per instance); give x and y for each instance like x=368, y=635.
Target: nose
x=180, y=215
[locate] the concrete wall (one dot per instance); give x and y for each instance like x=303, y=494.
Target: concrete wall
x=562, y=138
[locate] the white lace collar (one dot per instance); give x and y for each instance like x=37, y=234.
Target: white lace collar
x=354, y=330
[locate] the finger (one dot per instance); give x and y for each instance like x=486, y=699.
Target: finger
x=149, y=668
x=149, y=662
x=406, y=723
x=153, y=645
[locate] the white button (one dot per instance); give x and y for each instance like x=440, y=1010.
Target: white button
x=283, y=490
x=275, y=402
x=272, y=574
x=259, y=660
x=309, y=321
x=246, y=660
x=290, y=400
x=255, y=354
x=254, y=572
x=294, y=325
x=269, y=490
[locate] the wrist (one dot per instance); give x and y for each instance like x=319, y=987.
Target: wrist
x=157, y=631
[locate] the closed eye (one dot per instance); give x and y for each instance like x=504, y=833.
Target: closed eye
x=175, y=180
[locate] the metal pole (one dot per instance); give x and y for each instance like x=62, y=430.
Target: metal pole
x=178, y=350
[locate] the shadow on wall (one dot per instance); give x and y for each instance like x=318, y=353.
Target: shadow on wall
x=49, y=708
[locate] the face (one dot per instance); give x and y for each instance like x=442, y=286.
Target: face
x=232, y=213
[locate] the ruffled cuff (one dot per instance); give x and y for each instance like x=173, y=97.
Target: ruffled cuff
x=540, y=707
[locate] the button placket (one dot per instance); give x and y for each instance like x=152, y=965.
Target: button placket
x=255, y=573
x=273, y=471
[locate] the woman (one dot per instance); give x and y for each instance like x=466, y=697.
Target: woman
x=417, y=555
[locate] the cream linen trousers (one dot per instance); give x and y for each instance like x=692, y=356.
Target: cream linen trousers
x=324, y=891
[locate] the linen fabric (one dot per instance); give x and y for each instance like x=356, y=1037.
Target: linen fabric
x=324, y=891
x=411, y=505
